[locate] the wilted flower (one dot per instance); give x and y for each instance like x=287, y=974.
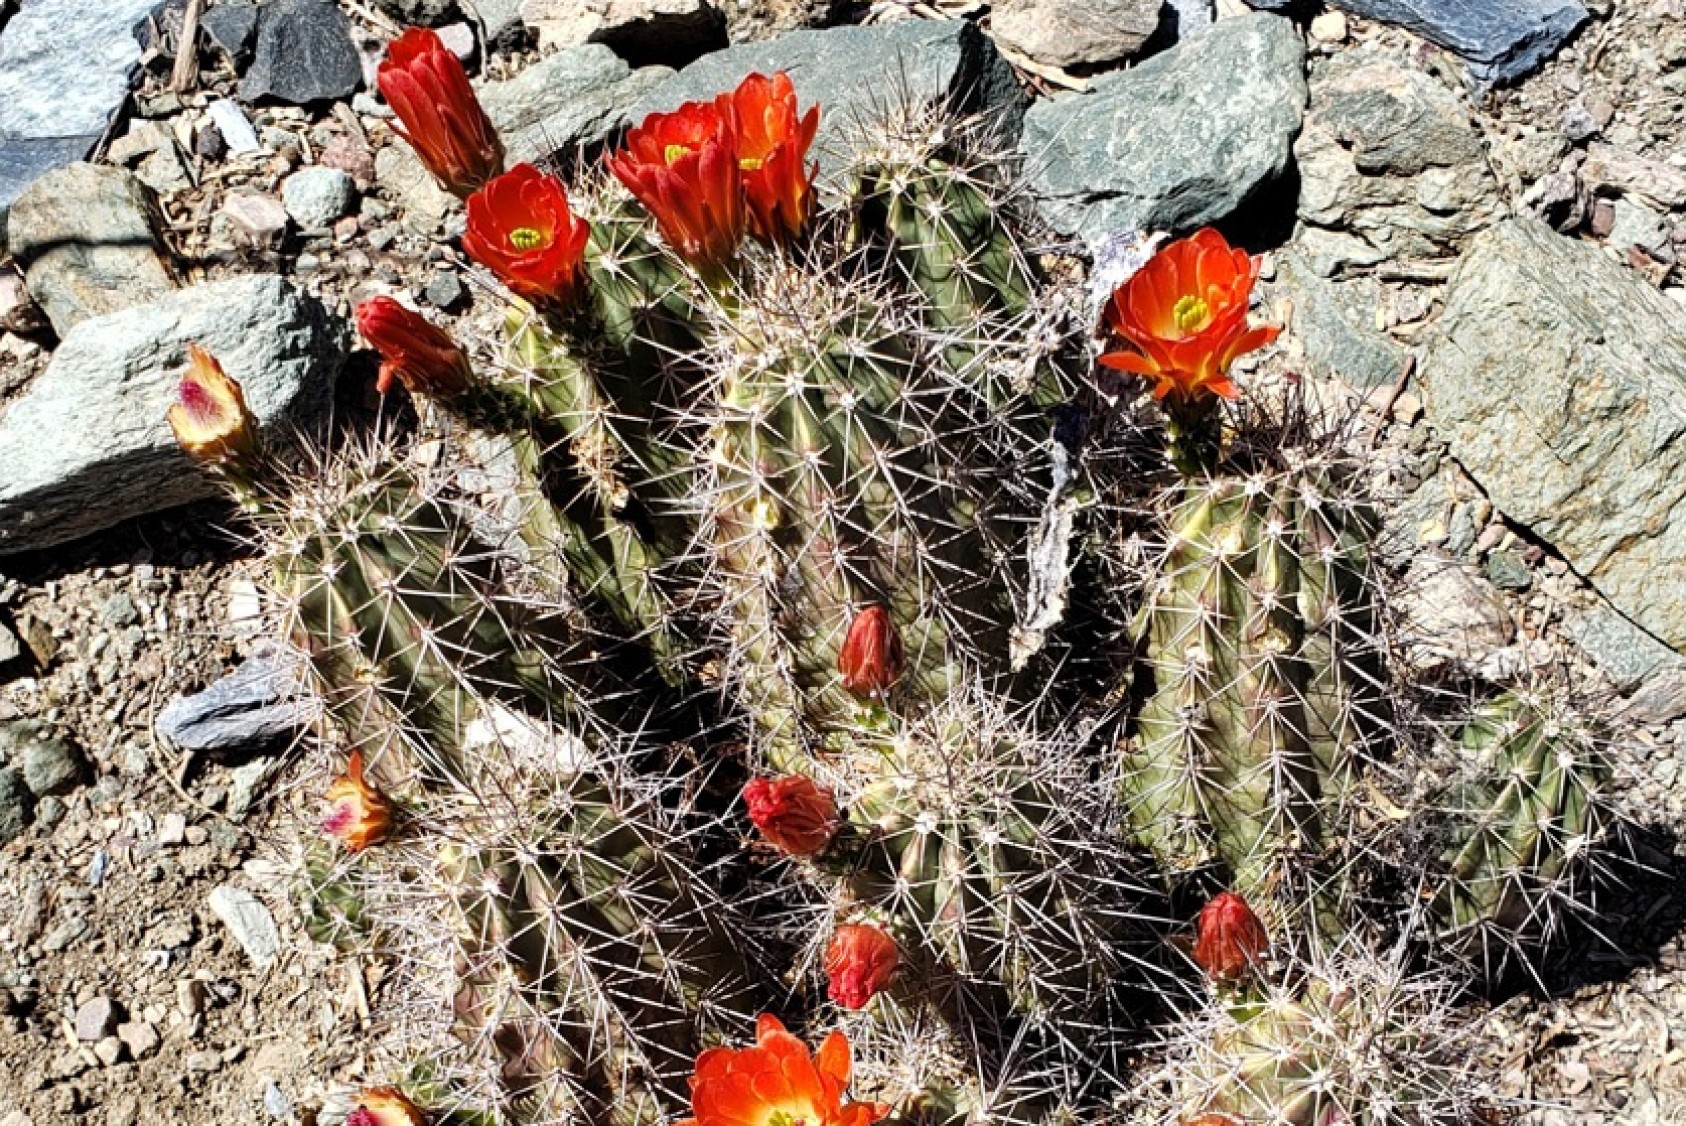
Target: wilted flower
x=358, y=814
x=795, y=814
x=772, y=143
x=384, y=1106
x=1229, y=939
x=209, y=416
x=777, y=1083
x=683, y=167
x=1185, y=316
x=426, y=87
x=521, y=227
x=414, y=351
x=871, y=659
x=858, y=963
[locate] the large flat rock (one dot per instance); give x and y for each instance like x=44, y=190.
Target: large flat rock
x=1558, y=377
x=87, y=445
x=573, y=97
x=1176, y=143
x=1502, y=40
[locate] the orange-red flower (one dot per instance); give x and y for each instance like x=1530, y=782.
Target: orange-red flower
x=871, y=659
x=858, y=963
x=1229, y=939
x=427, y=88
x=773, y=146
x=1212, y=1120
x=795, y=814
x=358, y=814
x=210, y=417
x=414, y=351
x=1185, y=316
x=384, y=1106
x=777, y=1083
x=521, y=227
x=683, y=167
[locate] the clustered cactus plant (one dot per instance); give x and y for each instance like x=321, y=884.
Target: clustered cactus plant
x=780, y=470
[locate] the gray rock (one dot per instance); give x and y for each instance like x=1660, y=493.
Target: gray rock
x=1074, y=32
x=245, y=782
x=116, y=375
x=1637, y=225
x=249, y=921
x=1558, y=378
x=257, y=705
x=1337, y=336
x=250, y=219
x=1178, y=142
x=1507, y=571
x=500, y=20
x=418, y=13
x=10, y=647
x=1613, y=170
x=23, y=161
x=1390, y=154
x=1502, y=40
x=1660, y=699
x=140, y=1037
x=15, y=804
x=317, y=196
x=1450, y=615
x=96, y=1019
x=234, y=28
x=573, y=97
x=52, y=767
x=644, y=32
x=18, y=311
x=1186, y=19
x=236, y=129
x=402, y=179
x=304, y=54
x=444, y=290
x=1623, y=652
x=65, y=68
x=88, y=239
x=857, y=74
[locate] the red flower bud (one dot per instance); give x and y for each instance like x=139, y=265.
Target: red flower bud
x=358, y=814
x=1229, y=939
x=859, y=962
x=414, y=351
x=683, y=167
x=428, y=89
x=385, y=1106
x=521, y=227
x=795, y=814
x=871, y=659
x=209, y=417
x=773, y=146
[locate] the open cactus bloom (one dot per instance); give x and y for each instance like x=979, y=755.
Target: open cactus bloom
x=439, y=115
x=358, y=814
x=772, y=142
x=521, y=228
x=777, y=1083
x=384, y=1106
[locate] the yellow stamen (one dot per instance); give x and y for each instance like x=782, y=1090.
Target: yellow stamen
x=1191, y=313
x=751, y=163
x=674, y=152
x=525, y=238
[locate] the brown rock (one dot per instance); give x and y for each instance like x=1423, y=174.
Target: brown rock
x=1074, y=32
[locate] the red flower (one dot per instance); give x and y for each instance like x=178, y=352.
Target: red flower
x=795, y=814
x=1229, y=939
x=773, y=146
x=384, y=1106
x=859, y=962
x=871, y=659
x=1212, y=1120
x=358, y=815
x=683, y=167
x=209, y=417
x=427, y=88
x=777, y=1083
x=1185, y=314
x=414, y=351
x=520, y=226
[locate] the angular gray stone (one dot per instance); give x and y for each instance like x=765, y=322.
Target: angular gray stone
x=116, y=377
x=1502, y=40
x=857, y=73
x=1637, y=225
x=317, y=196
x=1178, y=142
x=304, y=54
x=500, y=20
x=1338, y=339
x=234, y=28
x=249, y=921
x=418, y=13
x=24, y=160
x=1610, y=169
x=1187, y=19
x=88, y=239
x=257, y=705
x=1450, y=615
x=403, y=179
x=1390, y=154
x=644, y=32
x=96, y=1019
x=16, y=806
x=65, y=67
x=1074, y=32
x=1558, y=378
x=573, y=97
x=1623, y=652
x=52, y=767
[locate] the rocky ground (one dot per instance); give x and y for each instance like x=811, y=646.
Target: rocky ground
x=1492, y=271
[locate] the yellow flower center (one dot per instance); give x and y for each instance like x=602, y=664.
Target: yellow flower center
x=1191, y=313
x=789, y=1118
x=526, y=238
x=751, y=163
x=674, y=152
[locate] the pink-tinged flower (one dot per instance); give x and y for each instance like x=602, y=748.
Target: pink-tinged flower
x=773, y=141
x=358, y=814
x=1184, y=315
x=858, y=963
x=209, y=417
x=414, y=351
x=521, y=227
x=384, y=1106
x=777, y=1083
x=427, y=88
x=795, y=814
x=1229, y=939
x=683, y=167
x=871, y=659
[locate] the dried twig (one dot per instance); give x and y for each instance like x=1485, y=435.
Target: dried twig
x=186, y=71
